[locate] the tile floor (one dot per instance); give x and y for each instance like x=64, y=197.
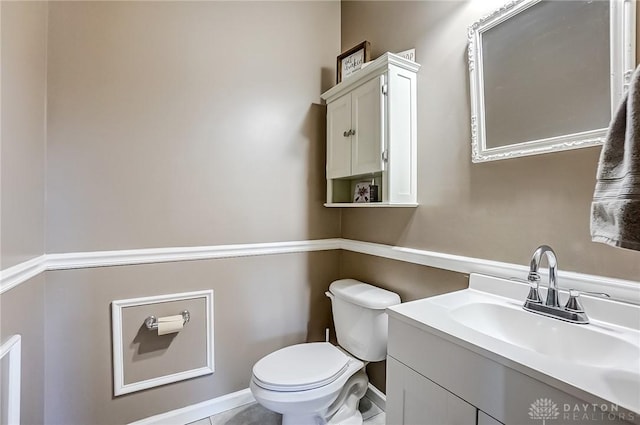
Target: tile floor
x=254, y=414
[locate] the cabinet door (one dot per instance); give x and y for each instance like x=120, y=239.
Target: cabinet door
x=339, y=144
x=413, y=399
x=484, y=419
x=367, y=108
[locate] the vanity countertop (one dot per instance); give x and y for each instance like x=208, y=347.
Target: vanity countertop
x=597, y=362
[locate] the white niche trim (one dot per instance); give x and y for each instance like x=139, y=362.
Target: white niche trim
x=12, y=349
x=119, y=386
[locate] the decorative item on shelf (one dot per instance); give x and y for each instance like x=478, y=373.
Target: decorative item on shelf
x=352, y=60
x=366, y=192
x=408, y=54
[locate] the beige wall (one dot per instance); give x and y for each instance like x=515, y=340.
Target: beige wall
x=22, y=187
x=24, y=56
x=195, y=123
x=260, y=304
x=180, y=124
x=187, y=123
x=500, y=210
x=22, y=312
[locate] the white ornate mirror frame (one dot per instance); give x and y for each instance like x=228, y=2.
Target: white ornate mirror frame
x=622, y=64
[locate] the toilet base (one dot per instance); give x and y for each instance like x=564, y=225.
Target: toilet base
x=302, y=419
x=292, y=419
x=344, y=411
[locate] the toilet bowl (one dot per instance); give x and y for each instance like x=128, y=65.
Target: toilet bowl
x=308, y=397
x=319, y=383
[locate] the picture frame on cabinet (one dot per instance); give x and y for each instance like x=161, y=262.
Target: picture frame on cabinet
x=352, y=60
x=365, y=192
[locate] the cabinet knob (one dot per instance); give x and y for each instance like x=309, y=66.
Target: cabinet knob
x=349, y=133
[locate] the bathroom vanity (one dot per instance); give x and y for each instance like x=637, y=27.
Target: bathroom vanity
x=476, y=357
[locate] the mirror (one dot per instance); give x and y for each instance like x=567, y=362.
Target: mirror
x=546, y=75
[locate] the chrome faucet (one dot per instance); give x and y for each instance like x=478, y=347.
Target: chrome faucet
x=573, y=311
x=534, y=277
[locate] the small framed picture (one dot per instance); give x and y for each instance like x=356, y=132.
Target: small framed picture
x=352, y=60
x=365, y=192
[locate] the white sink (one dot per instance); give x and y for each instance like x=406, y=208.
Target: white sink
x=587, y=345
x=600, y=359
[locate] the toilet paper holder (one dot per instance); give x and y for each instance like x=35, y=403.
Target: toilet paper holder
x=151, y=322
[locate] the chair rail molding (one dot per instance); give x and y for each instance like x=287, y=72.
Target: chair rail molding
x=620, y=289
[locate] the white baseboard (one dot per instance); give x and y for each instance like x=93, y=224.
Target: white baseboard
x=377, y=397
x=195, y=412
x=198, y=411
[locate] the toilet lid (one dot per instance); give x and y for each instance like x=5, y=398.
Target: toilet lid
x=300, y=367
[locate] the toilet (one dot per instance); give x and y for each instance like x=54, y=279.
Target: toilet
x=318, y=383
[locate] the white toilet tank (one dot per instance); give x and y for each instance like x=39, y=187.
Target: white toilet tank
x=360, y=319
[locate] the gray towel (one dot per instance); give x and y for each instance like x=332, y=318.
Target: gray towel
x=615, y=211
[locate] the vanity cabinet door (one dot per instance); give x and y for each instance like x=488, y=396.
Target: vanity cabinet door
x=339, y=137
x=484, y=419
x=413, y=399
x=367, y=108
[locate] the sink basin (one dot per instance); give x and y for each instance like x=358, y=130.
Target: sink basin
x=586, y=345
x=597, y=362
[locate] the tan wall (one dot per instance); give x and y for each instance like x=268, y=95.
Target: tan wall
x=22, y=184
x=261, y=304
x=22, y=188
x=500, y=210
x=180, y=124
x=187, y=123
x=194, y=123
x=22, y=312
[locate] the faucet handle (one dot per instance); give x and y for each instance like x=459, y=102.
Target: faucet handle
x=532, y=280
x=574, y=304
x=534, y=295
x=533, y=276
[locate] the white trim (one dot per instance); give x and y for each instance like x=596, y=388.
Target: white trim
x=119, y=386
x=374, y=68
x=77, y=260
x=22, y=272
x=377, y=397
x=620, y=289
x=624, y=290
x=199, y=411
x=14, y=276
x=12, y=347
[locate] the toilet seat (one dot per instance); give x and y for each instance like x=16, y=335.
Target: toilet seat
x=300, y=367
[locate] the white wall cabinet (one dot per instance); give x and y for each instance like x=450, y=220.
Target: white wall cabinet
x=355, y=142
x=372, y=133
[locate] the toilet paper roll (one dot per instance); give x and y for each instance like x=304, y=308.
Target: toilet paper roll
x=170, y=324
